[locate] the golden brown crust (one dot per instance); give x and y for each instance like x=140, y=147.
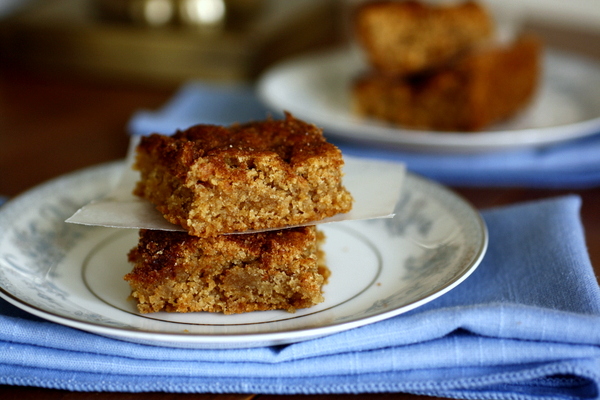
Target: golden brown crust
x=404, y=37
x=293, y=140
x=482, y=88
x=261, y=175
x=177, y=272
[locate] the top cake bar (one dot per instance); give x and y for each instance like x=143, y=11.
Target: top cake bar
x=407, y=37
x=270, y=174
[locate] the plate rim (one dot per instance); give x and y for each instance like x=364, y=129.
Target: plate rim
x=421, y=140
x=229, y=340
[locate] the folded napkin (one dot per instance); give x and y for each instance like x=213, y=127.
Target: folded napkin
x=524, y=325
x=573, y=164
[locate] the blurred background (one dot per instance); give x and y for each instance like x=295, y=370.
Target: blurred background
x=163, y=42
x=166, y=42
x=73, y=72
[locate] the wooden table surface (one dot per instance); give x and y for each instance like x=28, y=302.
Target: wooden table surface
x=51, y=125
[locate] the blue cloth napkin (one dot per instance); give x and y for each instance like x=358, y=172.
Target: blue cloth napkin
x=574, y=164
x=524, y=325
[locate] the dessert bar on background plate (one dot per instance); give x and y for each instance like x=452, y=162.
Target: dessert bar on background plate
x=315, y=87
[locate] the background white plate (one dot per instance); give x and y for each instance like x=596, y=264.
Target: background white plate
x=73, y=274
x=316, y=88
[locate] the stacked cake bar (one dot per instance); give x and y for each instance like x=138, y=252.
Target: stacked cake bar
x=440, y=67
x=241, y=194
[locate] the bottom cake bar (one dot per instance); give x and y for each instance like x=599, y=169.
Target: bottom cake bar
x=482, y=88
x=275, y=270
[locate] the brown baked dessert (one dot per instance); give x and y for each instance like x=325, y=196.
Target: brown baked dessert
x=261, y=175
x=177, y=272
x=485, y=87
x=403, y=37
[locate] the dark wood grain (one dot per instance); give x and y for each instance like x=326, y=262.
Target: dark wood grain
x=26, y=393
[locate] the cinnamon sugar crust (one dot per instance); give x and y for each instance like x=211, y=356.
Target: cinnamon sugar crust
x=276, y=270
x=260, y=175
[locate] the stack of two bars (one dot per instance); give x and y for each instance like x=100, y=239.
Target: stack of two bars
x=239, y=193
x=441, y=67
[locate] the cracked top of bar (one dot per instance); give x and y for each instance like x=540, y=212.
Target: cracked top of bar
x=255, y=176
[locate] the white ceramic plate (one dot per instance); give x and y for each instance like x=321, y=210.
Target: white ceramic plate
x=73, y=274
x=316, y=88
